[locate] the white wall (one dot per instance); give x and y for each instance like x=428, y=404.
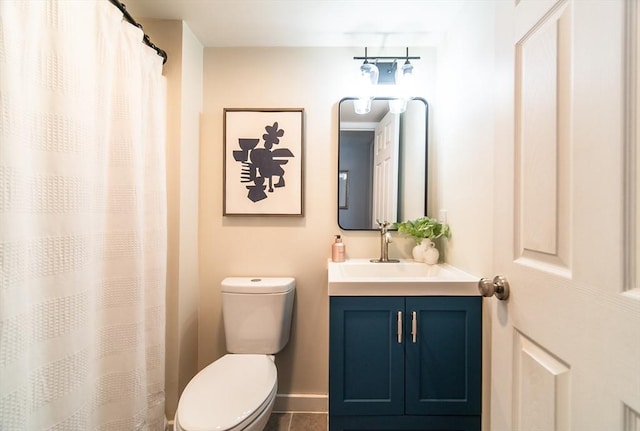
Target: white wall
x=463, y=122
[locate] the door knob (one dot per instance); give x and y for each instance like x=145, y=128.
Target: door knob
x=498, y=286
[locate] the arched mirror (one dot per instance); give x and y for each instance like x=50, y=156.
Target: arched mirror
x=382, y=163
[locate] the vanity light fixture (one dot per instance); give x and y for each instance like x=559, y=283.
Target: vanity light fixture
x=384, y=71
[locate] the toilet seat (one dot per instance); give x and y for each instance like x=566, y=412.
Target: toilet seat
x=228, y=394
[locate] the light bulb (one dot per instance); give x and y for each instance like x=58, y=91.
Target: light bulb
x=397, y=106
x=362, y=106
x=407, y=69
x=404, y=75
x=369, y=73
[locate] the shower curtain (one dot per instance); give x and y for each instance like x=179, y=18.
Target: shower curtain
x=82, y=220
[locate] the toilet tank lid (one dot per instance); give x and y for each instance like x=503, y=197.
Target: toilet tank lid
x=257, y=285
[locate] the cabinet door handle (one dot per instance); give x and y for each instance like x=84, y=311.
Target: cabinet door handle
x=399, y=327
x=414, y=327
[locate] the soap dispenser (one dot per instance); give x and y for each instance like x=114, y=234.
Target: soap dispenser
x=337, y=250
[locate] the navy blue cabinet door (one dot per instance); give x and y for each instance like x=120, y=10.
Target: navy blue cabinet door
x=366, y=361
x=444, y=364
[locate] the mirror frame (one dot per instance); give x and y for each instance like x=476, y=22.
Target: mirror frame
x=426, y=156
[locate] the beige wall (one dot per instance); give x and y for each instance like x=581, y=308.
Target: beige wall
x=460, y=174
x=314, y=79
x=183, y=72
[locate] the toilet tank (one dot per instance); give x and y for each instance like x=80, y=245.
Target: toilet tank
x=257, y=313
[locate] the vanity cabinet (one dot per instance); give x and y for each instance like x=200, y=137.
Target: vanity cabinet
x=405, y=363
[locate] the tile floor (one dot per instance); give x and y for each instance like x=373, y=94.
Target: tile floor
x=297, y=422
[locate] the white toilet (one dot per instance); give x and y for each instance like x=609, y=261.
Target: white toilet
x=237, y=391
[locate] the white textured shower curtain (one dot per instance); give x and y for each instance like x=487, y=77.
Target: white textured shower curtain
x=82, y=220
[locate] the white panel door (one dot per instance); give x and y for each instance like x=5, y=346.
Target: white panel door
x=566, y=344
x=385, y=170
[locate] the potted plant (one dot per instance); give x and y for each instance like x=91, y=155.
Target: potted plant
x=423, y=230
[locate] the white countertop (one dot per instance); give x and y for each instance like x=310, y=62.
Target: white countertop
x=360, y=277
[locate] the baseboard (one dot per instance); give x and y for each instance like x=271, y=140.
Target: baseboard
x=308, y=403
x=168, y=425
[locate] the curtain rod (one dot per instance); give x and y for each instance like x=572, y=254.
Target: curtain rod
x=145, y=38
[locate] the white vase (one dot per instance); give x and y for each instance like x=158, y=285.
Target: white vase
x=430, y=255
x=418, y=252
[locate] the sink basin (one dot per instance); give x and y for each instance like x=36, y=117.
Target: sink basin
x=360, y=277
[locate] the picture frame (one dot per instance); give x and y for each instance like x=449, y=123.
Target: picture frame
x=263, y=160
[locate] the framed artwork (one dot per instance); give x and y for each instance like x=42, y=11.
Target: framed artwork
x=343, y=188
x=263, y=162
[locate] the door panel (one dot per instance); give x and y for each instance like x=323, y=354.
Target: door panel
x=385, y=169
x=541, y=181
x=541, y=388
x=368, y=376
x=566, y=345
x=444, y=363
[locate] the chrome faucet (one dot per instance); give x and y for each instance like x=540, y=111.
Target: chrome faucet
x=385, y=239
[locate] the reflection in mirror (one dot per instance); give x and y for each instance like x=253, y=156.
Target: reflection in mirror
x=382, y=164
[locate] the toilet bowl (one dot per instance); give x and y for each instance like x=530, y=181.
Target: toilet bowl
x=237, y=392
